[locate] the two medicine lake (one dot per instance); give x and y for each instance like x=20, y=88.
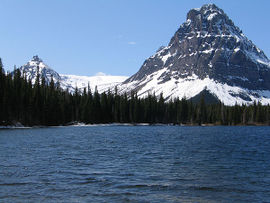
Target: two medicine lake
x=135, y=164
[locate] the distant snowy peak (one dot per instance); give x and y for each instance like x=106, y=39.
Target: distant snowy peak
x=35, y=66
x=71, y=82
x=208, y=46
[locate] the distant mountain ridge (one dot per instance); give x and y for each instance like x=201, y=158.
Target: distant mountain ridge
x=70, y=82
x=208, y=52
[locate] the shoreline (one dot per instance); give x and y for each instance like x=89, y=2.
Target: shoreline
x=128, y=124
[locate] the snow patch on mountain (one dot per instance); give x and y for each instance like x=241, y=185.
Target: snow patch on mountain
x=191, y=86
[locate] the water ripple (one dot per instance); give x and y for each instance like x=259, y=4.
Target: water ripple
x=135, y=164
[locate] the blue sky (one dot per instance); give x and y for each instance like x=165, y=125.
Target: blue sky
x=84, y=37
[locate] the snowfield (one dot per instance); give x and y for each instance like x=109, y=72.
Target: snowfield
x=103, y=82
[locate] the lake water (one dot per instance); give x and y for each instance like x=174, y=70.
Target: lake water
x=135, y=164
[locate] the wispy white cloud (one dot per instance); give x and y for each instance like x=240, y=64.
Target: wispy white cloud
x=100, y=74
x=132, y=43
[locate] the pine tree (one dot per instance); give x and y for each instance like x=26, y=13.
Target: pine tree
x=2, y=95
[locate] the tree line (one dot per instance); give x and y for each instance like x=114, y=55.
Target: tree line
x=47, y=104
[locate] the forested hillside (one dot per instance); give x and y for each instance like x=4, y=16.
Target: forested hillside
x=49, y=105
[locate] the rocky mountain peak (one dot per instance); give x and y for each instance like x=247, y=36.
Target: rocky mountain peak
x=208, y=19
x=207, y=12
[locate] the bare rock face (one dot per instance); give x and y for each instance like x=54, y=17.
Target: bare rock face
x=208, y=45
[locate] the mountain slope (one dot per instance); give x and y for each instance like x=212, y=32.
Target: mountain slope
x=207, y=52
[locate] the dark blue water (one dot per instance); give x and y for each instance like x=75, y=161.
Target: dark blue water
x=135, y=164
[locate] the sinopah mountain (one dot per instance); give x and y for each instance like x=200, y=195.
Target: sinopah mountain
x=208, y=52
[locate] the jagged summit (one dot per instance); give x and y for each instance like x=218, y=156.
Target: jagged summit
x=208, y=47
x=205, y=11
x=36, y=59
x=210, y=18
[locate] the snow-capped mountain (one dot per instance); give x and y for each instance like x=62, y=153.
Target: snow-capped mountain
x=31, y=69
x=70, y=82
x=208, y=52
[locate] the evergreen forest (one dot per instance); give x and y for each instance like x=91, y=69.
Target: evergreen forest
x=46, y=104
